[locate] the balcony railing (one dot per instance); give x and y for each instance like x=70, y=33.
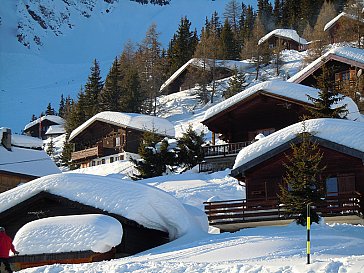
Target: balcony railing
x=225, y=149
x=244, y=211
x=87, y=153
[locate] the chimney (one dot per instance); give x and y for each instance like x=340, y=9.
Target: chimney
x=6, y=138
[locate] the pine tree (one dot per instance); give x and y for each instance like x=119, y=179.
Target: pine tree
x=155, y=156
x=93, y=88
x=49, y=110
x=190, y=148
x=50, y=148
x=182, y=46
x=229, y=45
x=327, y=98
x=237, y=83
x=66, y=155
x=61, y=109
x=130, y=99
x=34, y=117
x=110, y=94
x=302, y=182
x=353, y=30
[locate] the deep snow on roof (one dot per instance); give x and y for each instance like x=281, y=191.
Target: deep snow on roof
x=350, y=53
x=26, y=141
x=55, y=130
x=95, y=232
x=334, y=20
x=27, y=161
x=129, y=120
x=284, y=33
x=345, y=132
x=148, y=206
x=55, y=119
x=282, y=88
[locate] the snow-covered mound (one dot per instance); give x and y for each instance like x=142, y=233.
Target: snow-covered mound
x=148, y=206
x=95, y=232
x=345, y=132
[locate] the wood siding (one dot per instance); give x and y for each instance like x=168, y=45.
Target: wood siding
x=11, y=180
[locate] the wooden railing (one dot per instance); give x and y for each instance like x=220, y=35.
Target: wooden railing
x=242, y=211
x=87, y=153
x=225, y=149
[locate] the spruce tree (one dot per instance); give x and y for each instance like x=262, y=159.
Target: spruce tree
x=302, y=182
x=130, y=99
x=190, y=148
x=229, y=45
x=50, y=148
x=327, y=98
x=237, y=83
x=93, y=88
x=49, y=110
x=110, y=94
x=61, y=109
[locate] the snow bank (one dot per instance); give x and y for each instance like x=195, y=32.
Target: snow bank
x=344, y=132
x=55, y=119
x=284, y=33
x=286, y=89
x=95, y=232
x=144, y=204
x=129, y=120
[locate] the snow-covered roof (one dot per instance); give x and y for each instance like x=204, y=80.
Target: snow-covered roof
x=95, y=232
x=55, y=119
x=26, y=161
x=337, y=18
x=26, y=141
x=148, y=206
x=55, y=130
x=354, y=56
x=284, y=33
x=197, y=62
x=129, y=120
x=281, y=88
x=344, y=132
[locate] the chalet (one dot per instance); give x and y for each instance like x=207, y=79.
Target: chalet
x=147, y=215
x=261, y=109
x=346, y=64
x=112, y=136
x=40, y=126
x=186, y=76
x=260, y=167
x=55, y=131
x=22, y=159
x=284, y=39
x=344, y=27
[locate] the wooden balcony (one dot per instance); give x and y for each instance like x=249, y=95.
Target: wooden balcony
x=231, y=215
x=87, y=153
x=220, y=157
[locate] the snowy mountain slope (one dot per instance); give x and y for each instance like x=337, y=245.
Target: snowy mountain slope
x=72, y=36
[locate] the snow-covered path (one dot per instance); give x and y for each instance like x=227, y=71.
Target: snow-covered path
x=337, y=248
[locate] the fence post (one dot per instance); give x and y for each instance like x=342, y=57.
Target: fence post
x=308, y=233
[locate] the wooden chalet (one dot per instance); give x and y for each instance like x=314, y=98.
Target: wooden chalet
x=188, y=75
x=39, y=127
x=260, y=168
x=345, y=64
x=62, y=195
x=22, y=160
x=261, y=109
x=112, y=136
x=344, y=28
x=284, y=39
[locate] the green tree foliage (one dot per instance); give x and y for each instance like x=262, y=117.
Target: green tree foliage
x=229, y=44
x=190, y=148
x=110, y=94
x=131, y=98
x=155, y=156
x=302, y=182
x=237, y=83
x=34, y=117
x=61, y=109
x=93, y=88
x=50, y=148
x=49, y=110
x=324, y=105
x=65, y=159
x=182, y=46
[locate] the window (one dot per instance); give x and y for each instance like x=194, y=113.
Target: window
x=111, y=159
x=332, y=188
x=117, y=141
x=102, y=161
x=93, y=163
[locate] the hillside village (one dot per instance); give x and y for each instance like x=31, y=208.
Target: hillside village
x=128, y=180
